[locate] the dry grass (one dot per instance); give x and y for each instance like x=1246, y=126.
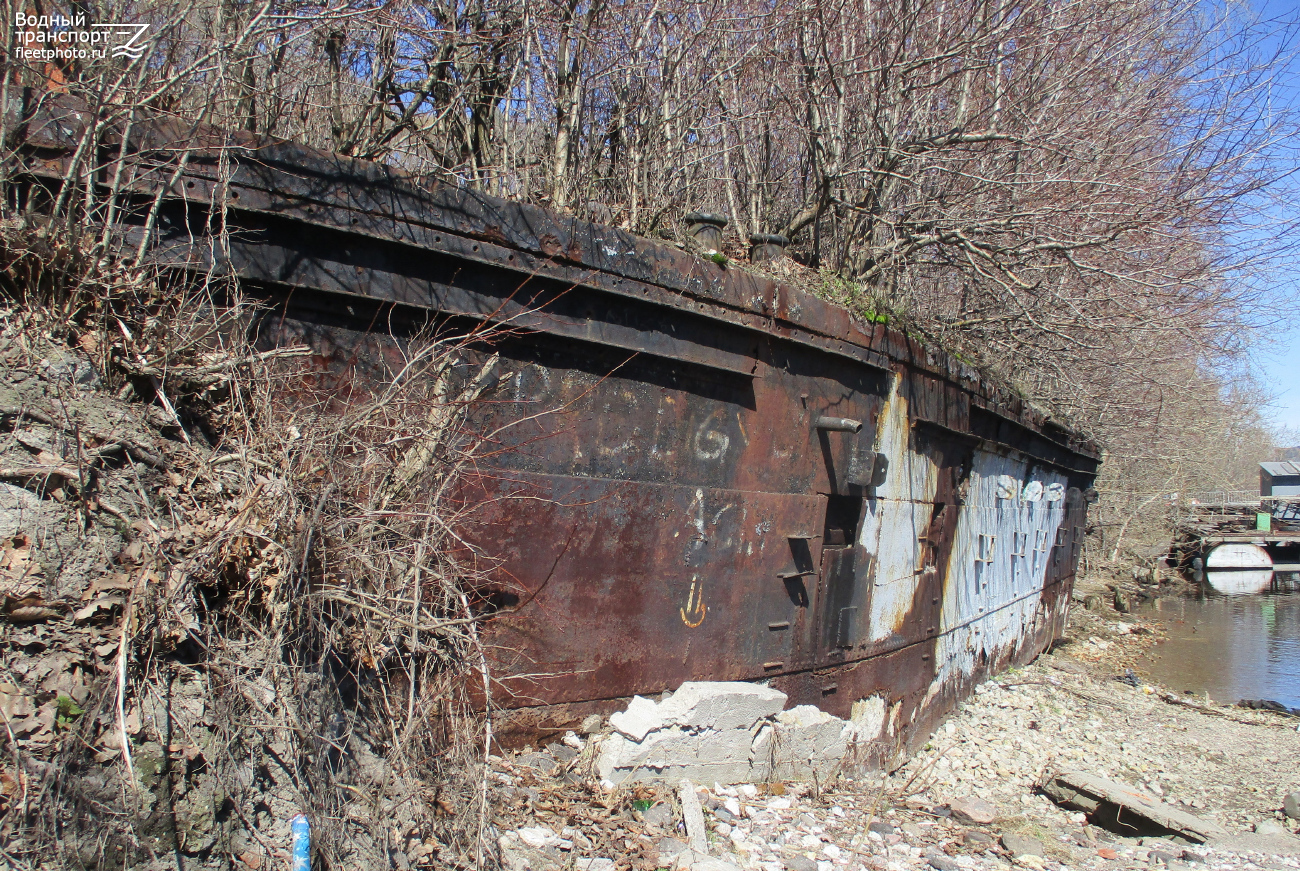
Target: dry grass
x=295, y=632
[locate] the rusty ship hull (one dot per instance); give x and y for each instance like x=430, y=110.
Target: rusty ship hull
x=702, y=474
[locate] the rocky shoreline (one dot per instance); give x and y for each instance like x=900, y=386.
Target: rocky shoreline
x=970, y=798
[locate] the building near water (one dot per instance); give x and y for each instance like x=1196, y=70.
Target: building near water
x=1279, y=479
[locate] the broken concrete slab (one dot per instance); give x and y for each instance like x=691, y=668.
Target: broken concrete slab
x=729, y=733
x=1112, y=801
x=673, y=753
x=721, y=705
x=705, y=750
x=804, y=743
x=705, y=731
x=699, y=705
x=809, y=742
x=693, y=816
x=640, y=718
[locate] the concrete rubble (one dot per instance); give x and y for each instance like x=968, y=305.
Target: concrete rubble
x=693, y=818
x=969, y=799
x=1095, y=795
x=724, y=732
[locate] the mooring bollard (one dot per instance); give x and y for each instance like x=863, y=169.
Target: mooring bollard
x=766, y=246
x=301, y=843
x=706, y=229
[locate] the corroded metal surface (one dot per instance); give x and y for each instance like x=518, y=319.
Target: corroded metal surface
x=696, y=473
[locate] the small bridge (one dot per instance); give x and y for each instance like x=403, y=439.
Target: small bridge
x=1204, y=521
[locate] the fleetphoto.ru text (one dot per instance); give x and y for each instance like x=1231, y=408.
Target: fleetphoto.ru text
x=62, y=37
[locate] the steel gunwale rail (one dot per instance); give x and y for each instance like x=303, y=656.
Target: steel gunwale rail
x=285, y=181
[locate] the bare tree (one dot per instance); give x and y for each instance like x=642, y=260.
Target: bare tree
x=1049, y=189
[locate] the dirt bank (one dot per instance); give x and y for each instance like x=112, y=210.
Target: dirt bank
x=187, y=659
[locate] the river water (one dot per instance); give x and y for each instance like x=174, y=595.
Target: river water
x=1233, y=647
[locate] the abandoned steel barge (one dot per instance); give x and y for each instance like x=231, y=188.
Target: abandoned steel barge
x=726, y=478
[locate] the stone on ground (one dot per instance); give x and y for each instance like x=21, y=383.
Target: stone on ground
x=710, y=864
x=517, y=855
x=973, y=810
x=1018, y=845
x=669, y=847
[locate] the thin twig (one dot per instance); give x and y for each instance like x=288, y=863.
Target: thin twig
x=157, y=386
x=123, y=645
x=22, y=473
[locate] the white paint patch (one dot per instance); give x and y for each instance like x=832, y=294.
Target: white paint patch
x=896, y=517
x=999, y=560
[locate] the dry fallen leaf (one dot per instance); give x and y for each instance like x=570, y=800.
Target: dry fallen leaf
x=16, y=560
x=131, y=554
x=100, y=609
x=13, y=703
x=132, y=722
x=26, y=611
x=116, y=581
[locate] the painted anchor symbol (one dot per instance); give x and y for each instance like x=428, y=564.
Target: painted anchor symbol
x=693, y=613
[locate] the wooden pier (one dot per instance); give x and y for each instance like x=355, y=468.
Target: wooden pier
x=1205, y=522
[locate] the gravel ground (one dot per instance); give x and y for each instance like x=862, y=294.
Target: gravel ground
x=968, y=799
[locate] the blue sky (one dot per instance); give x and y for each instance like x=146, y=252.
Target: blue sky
x=1279, y=368
x=1277, y=363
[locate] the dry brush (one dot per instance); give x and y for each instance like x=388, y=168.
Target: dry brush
x=278, y=619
